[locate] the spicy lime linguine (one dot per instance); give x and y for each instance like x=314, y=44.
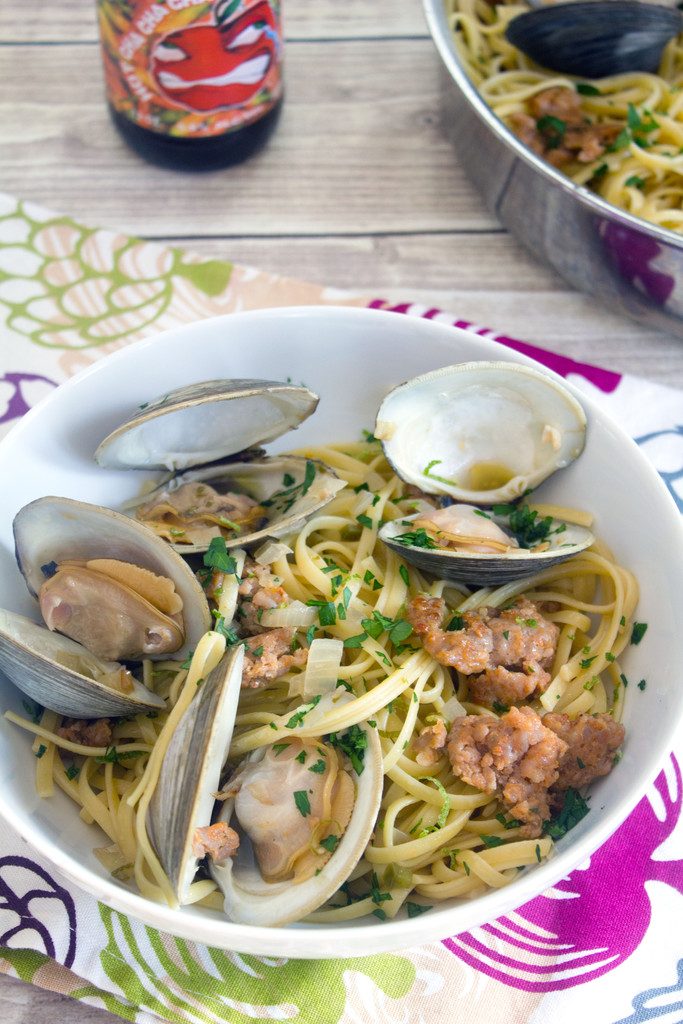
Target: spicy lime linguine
x=436, y=837
x=641, y=169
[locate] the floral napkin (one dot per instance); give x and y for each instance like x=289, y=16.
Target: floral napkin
x=605, y=945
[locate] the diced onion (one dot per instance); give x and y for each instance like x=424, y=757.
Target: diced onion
x=295, y=614
x=453, y=709
x=270, y=551
x=322, y=667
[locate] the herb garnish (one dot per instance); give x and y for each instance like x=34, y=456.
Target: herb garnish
x=285, y=498
x=416, y=539
x=353, y=742
x=41, y=750
x=301, y=757
x=552, y=129
x=443, y=813
x=585, y=89
x=638, y=632
x=302, y=802
x=298, y=716
x=114, y=756
x=403, y=573
x=330, y=843
x=217, y=557
x=456, y=623
x=318, y=767
x=433, y=476
x=415, y=909
x=573, y=810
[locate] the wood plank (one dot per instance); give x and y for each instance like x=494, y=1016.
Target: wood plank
x=351, y=151
x=75, y=20
x=487, y=279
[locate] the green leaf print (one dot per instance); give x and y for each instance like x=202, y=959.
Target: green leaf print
x=175, y=980
x=75, y=287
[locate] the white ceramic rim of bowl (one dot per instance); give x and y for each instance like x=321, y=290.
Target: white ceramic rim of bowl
x=326, y=941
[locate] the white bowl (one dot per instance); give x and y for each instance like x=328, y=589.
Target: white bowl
x=351, y=357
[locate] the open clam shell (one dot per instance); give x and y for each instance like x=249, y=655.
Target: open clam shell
x=62, y=675
x=289, y=490
x=249, y=897
x=52, y=530
x=184, y=796
x=480, y=568
x=480, y=432
x=201, y=423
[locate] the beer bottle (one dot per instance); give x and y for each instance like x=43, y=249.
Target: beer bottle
x=193, y=84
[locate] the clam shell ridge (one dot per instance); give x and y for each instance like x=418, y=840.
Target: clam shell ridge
x=249, y=899
x=481, y=432
x=55, y=671
x=52, y=529
x=183, y=799
x=203, y=422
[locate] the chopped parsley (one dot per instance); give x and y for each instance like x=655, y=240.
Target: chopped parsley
x=365, y=521
x=491, y=841
x=609, y=656
x=353, y=742
x=623, y=679
x=41, y=750
x=506, y=634
x=113, y=756
x=355, y=641
x=302, y=802
x=552, y=129
x=285, y=498
x=327, y=613
x=427, y=471
x=298, y=716
x=220, y=626
x=642, y=684
x=279, y=747
x=33, y=710
x=379, y=914
x=318, y=767
x=587, y=662
x=72, y=772
x=573, y=810
x=376, y=895
x=415, y=909
x=301, y=757
x=257, y=651
x=538, y=853
x=586, y=89
x=528, y=529
x=403, y=573
x=49, y=569
x=330, y=843
x=636, y=182
x=217, y=557
x=416, y=539
x=580, y=763
x=499, y=707
x=457, y=622
x=508, y=822
x=638, y=632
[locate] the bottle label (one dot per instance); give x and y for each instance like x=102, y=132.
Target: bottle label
x=192, y=69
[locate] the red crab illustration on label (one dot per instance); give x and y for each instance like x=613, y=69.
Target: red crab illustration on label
x=216, y=67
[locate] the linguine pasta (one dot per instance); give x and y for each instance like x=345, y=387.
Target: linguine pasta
x=436, y=837
x=641, y=170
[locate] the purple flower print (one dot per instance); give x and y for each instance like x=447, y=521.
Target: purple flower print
x=16, y=404
x=35, y=911
x=591, y=921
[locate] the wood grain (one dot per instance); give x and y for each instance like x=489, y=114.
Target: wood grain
x=351, y=154
x=75, y=20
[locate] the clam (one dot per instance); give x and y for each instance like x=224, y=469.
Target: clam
x=242, y=501
x=203, y=422
x=297, y=814
x=481, y=434
x=114, y=590
x=184, y=796
x=62, y=675
x=304, y=817
x=471, y=545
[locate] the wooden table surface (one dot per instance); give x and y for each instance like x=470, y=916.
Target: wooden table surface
x=359, y=188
